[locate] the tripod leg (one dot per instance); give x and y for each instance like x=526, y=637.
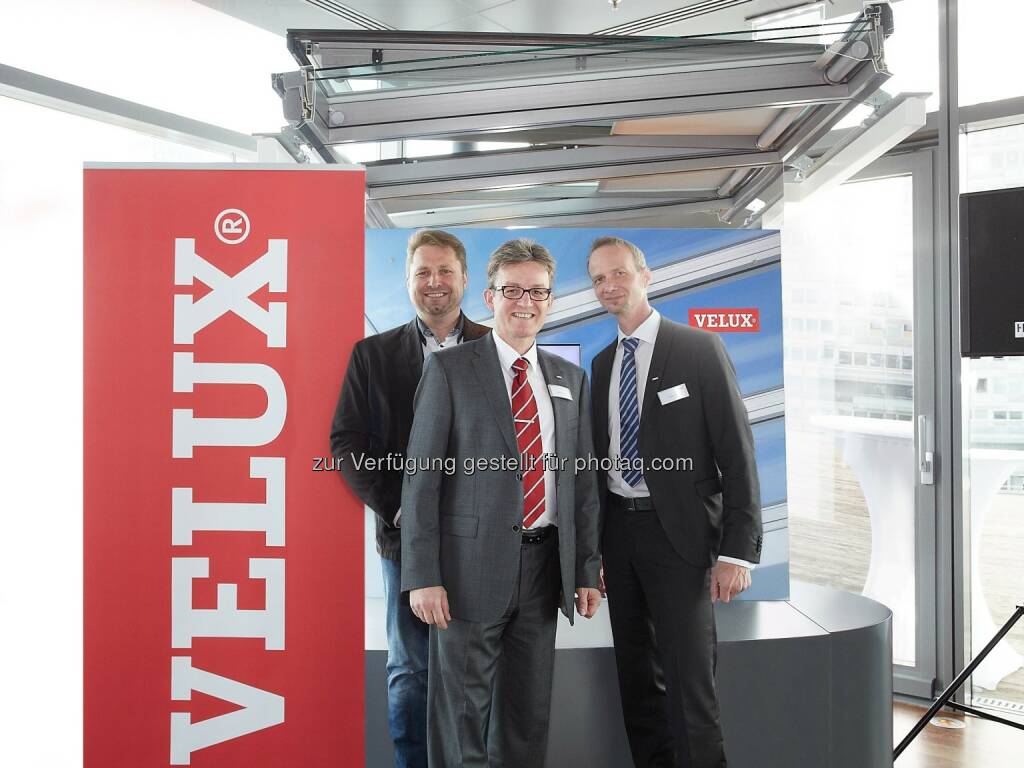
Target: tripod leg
x=955, y=685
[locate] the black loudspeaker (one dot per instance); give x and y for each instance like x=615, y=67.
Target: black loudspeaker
x=992, y=273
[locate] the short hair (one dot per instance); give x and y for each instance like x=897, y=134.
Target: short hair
x=439, y=238
x=638, y=256
x=519, y=251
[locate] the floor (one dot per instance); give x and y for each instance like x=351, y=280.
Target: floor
x=982, y=744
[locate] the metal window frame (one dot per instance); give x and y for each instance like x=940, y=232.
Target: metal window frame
x=610, y=211
x=562, y=93
x=83, y=102
x=518, y=168
x=952, y=534
x=476, y=172
x=919, y=680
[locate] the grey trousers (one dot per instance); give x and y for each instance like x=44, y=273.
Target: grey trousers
x=489, y=684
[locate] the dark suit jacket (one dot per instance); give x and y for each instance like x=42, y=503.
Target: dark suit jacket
x=462, y=530
x=715, y=509
x=374, y=417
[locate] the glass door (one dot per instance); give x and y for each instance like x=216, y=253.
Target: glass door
x=857, y=306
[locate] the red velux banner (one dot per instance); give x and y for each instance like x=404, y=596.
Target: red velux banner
x=223, y=578
x=729, y=320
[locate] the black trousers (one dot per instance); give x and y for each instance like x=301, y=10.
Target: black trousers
x=489, y=686
x=663, y=625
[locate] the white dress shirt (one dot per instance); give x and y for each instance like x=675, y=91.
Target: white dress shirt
x=646, y=335
x=506, y=356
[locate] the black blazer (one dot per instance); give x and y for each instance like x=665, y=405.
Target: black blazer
x=715, y=508
x=374, y=417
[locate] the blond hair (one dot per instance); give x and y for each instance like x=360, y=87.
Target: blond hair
x=439, y=238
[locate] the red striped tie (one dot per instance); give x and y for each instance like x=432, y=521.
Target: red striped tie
x=527, y=424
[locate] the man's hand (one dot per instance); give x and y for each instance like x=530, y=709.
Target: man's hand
x=600, y=575
x=430, y=605
x=728, y=580
x=588, y=600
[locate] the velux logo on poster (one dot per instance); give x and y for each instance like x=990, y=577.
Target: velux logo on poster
x=733, y=320
x=258, y=709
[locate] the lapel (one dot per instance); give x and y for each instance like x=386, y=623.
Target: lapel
x=561, y=408
x=602, y=373
x=492, y=383
x=655, y=376
x=412, y=350
x=471, y=330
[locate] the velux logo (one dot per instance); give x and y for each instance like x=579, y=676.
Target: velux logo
x=729, y=320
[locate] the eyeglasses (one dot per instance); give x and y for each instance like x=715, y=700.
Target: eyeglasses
x=514, y=292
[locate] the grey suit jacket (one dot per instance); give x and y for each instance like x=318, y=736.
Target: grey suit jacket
x=715, y=509
x=462, y=530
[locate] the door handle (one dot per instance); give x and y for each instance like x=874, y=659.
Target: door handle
x=925, y=451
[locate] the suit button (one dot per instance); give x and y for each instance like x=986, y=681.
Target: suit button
x=515, y=528
x=519, y=476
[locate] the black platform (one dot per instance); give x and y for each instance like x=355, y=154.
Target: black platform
x=803, y=683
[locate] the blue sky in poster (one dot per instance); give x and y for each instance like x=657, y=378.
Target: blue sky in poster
x=757, y=356
x=387, y=304
x=770, y=444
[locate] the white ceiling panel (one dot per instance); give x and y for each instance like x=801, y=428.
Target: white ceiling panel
x=576, y=16
x=522, y=16
x=482, y=6
x=418, y=15
x=280, y=15
x=474, y=23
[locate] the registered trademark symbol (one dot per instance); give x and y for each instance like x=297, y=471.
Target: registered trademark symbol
x=231, y=226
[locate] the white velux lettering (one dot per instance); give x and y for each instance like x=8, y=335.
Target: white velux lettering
x=226, y=622
x=189, y=431
x=259, y=709
x=227, y=619
x=230, y=293
x=188, y=516
x=730, y=320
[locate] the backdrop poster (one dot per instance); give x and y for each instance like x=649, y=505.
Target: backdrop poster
x=223, y=587
x=726, y=281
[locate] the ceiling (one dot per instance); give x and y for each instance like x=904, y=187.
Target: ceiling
x=662, y=17
x=608, y=127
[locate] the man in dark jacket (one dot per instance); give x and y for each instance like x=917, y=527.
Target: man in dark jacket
x=681, y=510
x=373, y=420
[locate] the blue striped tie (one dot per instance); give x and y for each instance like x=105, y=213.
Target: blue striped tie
x=629, y=414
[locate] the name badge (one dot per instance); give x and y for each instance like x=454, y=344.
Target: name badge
x=557, y=390
x=672, y=394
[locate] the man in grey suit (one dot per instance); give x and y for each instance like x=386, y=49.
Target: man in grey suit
x=681, y=510
x=499, y=530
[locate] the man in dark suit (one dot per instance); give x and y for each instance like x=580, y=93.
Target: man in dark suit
x=498, y=540
x=373, y=419
x=681, y=511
